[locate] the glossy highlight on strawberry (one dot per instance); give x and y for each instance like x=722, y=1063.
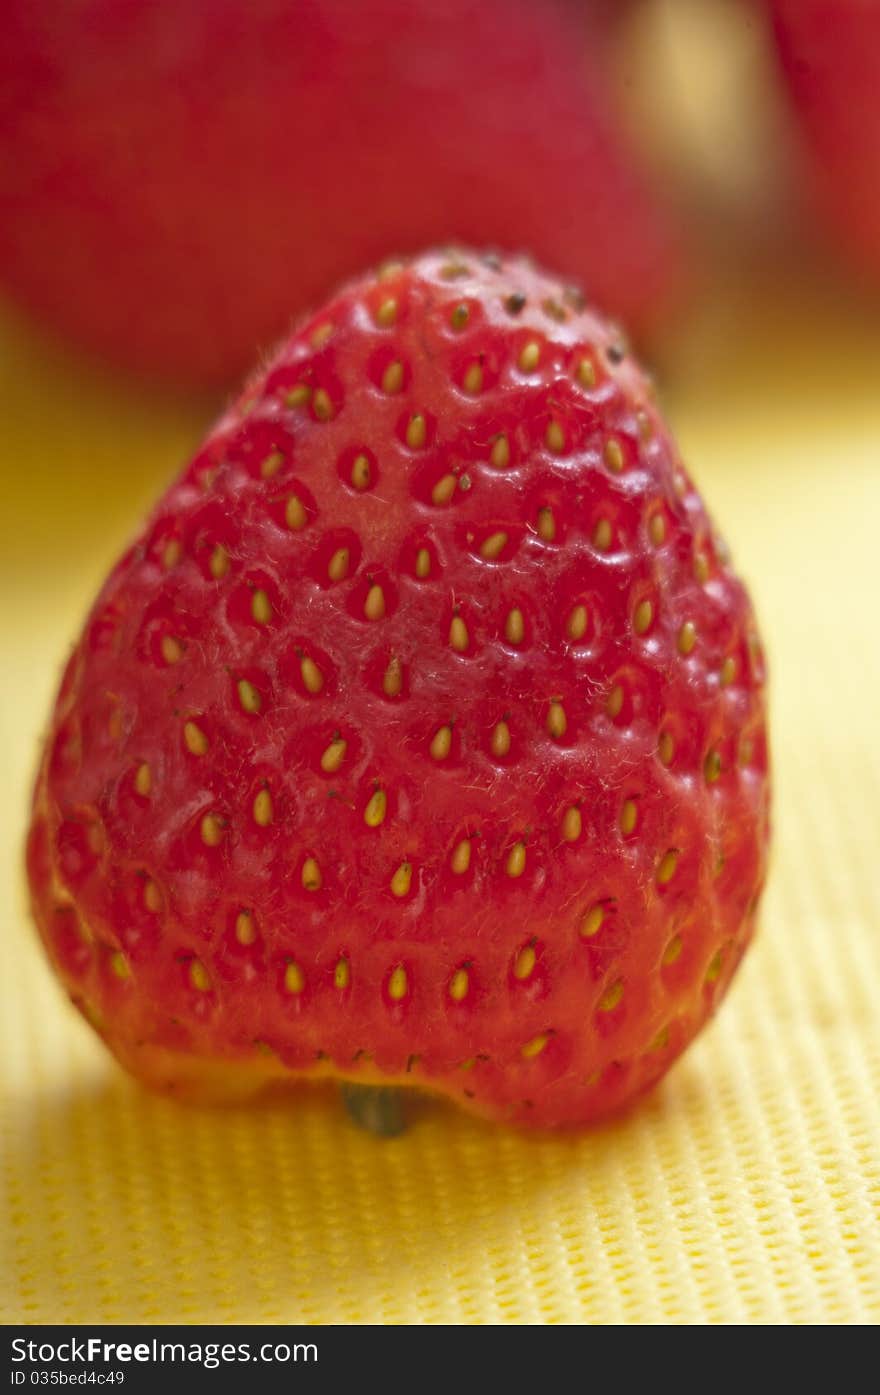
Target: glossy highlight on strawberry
x=420, y=736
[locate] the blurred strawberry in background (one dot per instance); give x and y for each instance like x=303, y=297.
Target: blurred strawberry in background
x=829, y=52
x=177, y=181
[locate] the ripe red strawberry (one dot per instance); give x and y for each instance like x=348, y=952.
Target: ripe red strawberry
x=420, y=736
x=176, y=179
x=830, y=56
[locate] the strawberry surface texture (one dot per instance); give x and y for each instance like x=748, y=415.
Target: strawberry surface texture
x=177, y=180
x=420, y=736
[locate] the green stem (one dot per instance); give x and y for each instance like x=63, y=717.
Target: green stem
x=376, y=1108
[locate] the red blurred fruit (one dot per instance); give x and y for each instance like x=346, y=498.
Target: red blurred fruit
x=177, y=180
x=419, y=738
x=830, y=56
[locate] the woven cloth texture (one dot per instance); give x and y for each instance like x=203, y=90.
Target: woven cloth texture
x=746, y=1188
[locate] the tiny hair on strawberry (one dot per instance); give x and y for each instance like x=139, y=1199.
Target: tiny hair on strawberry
x=419, y=738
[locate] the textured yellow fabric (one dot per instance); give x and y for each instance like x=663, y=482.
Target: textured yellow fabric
x=746, y=1188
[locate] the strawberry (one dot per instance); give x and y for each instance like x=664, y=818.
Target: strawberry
x=419, y=738
x=176, y=179
x=829, y=52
